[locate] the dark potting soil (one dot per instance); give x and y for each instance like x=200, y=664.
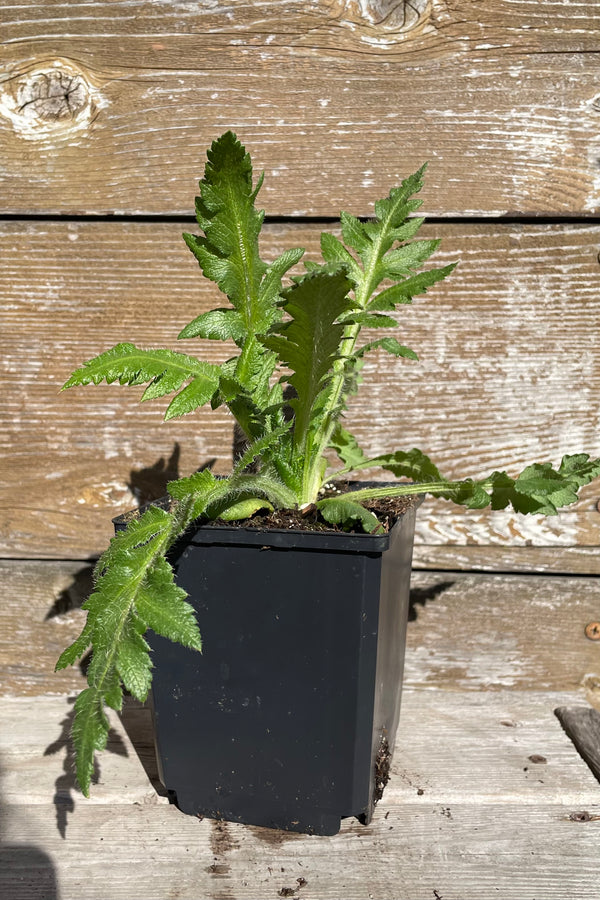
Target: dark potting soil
x=383, y=764
x=387, y=510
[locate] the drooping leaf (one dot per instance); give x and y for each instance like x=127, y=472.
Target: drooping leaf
x=161, y=604
x=345, y=512
x=89, y=734
x=115, y=625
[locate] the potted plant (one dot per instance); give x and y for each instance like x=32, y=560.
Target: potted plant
x=298, y=580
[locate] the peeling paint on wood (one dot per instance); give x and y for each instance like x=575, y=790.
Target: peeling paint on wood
x=500, y=98
x=508, y=375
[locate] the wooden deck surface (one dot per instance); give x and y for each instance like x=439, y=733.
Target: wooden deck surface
x=488, y=796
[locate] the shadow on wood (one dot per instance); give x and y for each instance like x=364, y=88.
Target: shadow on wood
x=582, y=725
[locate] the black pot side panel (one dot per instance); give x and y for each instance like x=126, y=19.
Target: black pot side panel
x=278, y=721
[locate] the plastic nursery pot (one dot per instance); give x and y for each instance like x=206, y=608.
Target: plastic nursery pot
x=288, y=717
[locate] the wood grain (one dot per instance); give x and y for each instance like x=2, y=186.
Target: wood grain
x=480, y=757
x=509, y=374
x=478, y=789
x=113, y=111
x=467, y=633
x=499, y=632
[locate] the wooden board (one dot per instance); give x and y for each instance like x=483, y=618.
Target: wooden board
x=509, y=374
x=109, y=107
x=467, y=632
x=487, y=793
x=464, y=794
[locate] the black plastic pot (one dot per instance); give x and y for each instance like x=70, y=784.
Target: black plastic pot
x=288, y=717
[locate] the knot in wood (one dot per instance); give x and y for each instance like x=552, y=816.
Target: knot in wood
x=387, y=15
x=52, y=95
x=48, y=101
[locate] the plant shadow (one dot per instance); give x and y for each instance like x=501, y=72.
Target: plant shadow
x=150, y=483
x=65, y=786
x=421, y=596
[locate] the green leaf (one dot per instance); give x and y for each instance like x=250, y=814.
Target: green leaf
x=347, y=448
x=390, y=345
x=243, y=509
x=133, y=659
x=228, y=254
x=333, y=251
x=542, y=490
x=89, y=734
x=259, y=448
x=196, y=394
x=216, y=325
x=309, y=342
x=405, y=259
x=161, y=604
x=404, y=291
x=128, y=364
x=345, y=512
x=368, y=320
x=354, y=233
x=75, y=650
x=164, y=369
x=413, y=464
x=115, y=626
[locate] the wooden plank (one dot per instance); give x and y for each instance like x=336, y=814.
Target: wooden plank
x=467, y=632
x=335, y=100
x=509, y=373
x=463, y=784
x=479, y=632
x=451, y=747
x=486, y=558
x=458, y=851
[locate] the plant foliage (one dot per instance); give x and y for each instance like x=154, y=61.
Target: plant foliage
x=298, y=355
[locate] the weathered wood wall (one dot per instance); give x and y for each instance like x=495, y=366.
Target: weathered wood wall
x=105, y=113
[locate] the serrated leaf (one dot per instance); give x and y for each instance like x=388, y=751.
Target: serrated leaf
x=198, y=485
x=195, y=394
x=75, y=650
x=413, y=464
x=89, y=734
x=405, y=259
x=259, y=447
x=353, y=232
x=309, y=342
x=129, y=364
x=390, y=345
x=403, y=292
x=133, y=660
x=271, y=284
x=216, y=325
x=333, y=251
x=347, y=447
x=162, y=605
x=345, y=512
